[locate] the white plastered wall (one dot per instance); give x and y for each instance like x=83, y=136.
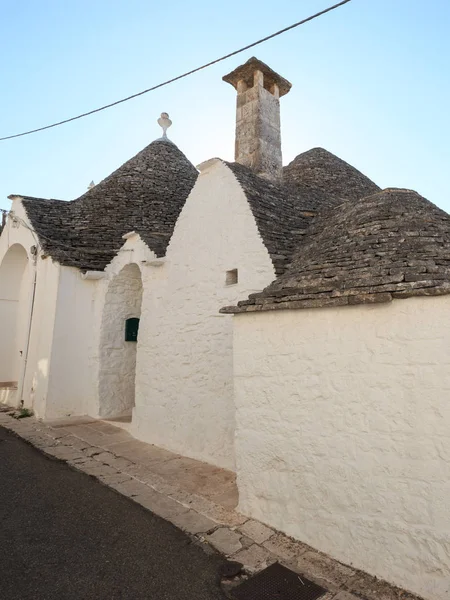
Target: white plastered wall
x=343, y=433
x=32, y=380
x=36, y=385
x=184, y=391
x=14, y=282
x=118, y=356
x=71, y=379
x=81, y=324
x=62, y=376
x=113, y=304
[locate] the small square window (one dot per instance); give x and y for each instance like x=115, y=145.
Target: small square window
x=231, y=277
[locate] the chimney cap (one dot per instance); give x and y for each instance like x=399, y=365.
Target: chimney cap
x=246, y=71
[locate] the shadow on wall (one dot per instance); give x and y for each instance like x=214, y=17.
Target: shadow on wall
x=118, y=347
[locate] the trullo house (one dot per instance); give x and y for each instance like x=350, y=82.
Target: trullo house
x=289, y=323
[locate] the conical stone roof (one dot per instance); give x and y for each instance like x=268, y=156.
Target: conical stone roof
x=325, y=171
x=392, y=244
x=282, y=217
x=146, y=195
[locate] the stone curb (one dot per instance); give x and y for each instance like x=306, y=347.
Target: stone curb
x=239, y=538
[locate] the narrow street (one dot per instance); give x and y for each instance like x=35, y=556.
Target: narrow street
x=64, y=536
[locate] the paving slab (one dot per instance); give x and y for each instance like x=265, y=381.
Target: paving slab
x=137, y=451
x=92, y=450
x=205, y=507
x=226, y=496
x=81, y=431
x=67, y=421
x=130, y=488
x=102, y=427
x=98, y=470
x=255, y=530
x=173, y=467
x=213, y=483
x=97, y=437
x=344, y=596
x=246, y=541
x=160, y=505
x=114, y=479
x=371, y=588
x=161, y=485
x=84, y=462
x=285, y=547
x=324, y=570
x=75, y=442
x=152, y=455
x=64, y=452
x=255, y=558
x=39, y=440
x=225, y=541
x=193, y=523
x=56, y=433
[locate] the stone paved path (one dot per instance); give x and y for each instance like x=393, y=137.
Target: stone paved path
x=198, y=498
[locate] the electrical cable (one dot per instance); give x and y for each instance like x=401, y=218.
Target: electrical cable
x=155, y=87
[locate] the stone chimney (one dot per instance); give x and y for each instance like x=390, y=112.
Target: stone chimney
x=258, y=137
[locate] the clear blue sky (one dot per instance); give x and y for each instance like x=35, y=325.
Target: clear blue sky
x=370, y=81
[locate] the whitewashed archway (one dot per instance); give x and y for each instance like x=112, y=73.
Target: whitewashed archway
x=14, y=296
x=117, y=356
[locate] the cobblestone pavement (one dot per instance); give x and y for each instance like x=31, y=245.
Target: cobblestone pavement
x=198, y=498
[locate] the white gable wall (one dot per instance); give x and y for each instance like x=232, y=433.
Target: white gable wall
x=184, y=391
x=343, y=433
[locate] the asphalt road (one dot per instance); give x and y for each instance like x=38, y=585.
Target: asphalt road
x=64, y=536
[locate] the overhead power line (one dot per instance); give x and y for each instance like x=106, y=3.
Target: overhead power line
x=155, y=87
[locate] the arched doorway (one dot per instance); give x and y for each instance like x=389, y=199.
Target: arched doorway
x=14, y=295
x=118, y=343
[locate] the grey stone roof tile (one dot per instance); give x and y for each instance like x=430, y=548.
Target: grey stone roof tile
x=392, y=244
x=325, y=171
x=145, y=195
x=282, y=215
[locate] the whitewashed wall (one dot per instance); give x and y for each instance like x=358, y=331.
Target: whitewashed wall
x=63, y=373
x=33, y=378
x=71, y=378
x=77, y=375
x=113, y=304
x=14, y=283
x=184, y=392
x=343, y=433
x=117, y=356
x=35, y=387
